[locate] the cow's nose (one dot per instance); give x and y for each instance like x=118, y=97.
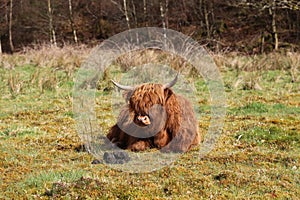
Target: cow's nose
x=144, y=119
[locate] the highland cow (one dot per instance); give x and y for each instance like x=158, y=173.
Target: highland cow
x=155, y=117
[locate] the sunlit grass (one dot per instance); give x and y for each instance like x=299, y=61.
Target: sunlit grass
x=257, y=156
x=273, y=135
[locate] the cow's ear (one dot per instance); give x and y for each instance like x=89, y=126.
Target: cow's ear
x=168, y=92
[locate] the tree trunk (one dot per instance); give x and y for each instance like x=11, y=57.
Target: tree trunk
x=6, y=21
x=126, y=14
x=72, y=22
x=298, y=28
x=11, y=45
x=206, y=17
x=145, y=12
x=166, y=14
x=151, y=16
x=272, y=11
x=162, y=15
x=51, y=27
x=134, y=14
x=262, y=43
x=22, y=6
x=200, y=8
x=6, y=13
x=0, y=46
x=163, y=19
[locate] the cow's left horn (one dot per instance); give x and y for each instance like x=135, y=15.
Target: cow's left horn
x=123, y=87
x=172, y=83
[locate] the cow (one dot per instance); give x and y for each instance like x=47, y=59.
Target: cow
x=155, y=117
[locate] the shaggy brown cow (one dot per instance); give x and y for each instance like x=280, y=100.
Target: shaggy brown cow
x=155, y=117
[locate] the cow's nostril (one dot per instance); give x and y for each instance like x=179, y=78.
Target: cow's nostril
x=144, y=119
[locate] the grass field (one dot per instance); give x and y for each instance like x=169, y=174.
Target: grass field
x=256, y=157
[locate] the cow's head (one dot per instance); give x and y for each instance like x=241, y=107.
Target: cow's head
x=143, y=97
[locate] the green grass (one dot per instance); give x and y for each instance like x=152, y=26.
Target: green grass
x=272, y=135
x=17, y=132
x=256, y=157
x=38, y=181
x=259, y=108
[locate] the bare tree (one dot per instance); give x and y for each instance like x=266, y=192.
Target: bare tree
x=207, y=24
x=145, y=12
x=72, y=22
x=164, y=8
x=272, y=6
x=124, y=9
x=167, y=13
x=162, y=14
x=4, y=25
x=134, y=13
x=205, y=14
x=52, y=33
x=0, y=46
x=298, y=27
x=10, y=26
x=272, y=11
x=126, y=13
x=270, y=24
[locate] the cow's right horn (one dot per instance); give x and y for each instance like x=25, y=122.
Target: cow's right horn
x=172, y=83
x=123, y=87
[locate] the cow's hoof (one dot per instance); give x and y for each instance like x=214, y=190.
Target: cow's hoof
x=96, y=161
x=118, y=157
x=139, y=146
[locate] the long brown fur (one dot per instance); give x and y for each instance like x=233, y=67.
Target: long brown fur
x=178, y=134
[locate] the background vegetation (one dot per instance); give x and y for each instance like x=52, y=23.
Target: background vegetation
x=252, y=26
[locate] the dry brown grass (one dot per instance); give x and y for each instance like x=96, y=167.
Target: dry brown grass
x=256, y=65
x=271, y=61
x=15, y=84
x=67, y=58
x=154, y=56
x=257, y=156
x=45, y=63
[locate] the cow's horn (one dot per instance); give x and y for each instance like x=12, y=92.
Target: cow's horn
x=122, y=87
x=172, y=83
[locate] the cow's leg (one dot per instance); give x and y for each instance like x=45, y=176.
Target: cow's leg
x=181, y=142
x=161, y=139
x=118, y=137
x=139, y=145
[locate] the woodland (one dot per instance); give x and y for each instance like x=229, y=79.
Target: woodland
x=248, y=26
